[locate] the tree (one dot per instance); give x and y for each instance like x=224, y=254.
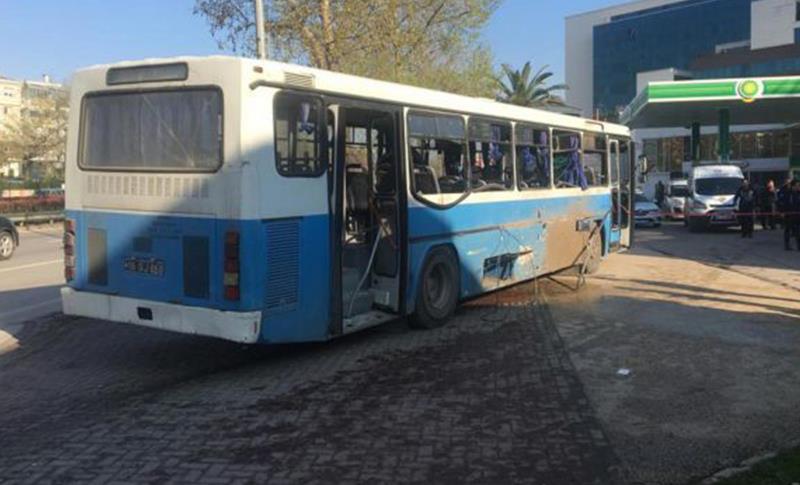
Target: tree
x=430, y=43
x=521, y=89
x=38, y=133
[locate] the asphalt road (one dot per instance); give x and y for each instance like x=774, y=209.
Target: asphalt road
x=30, y=280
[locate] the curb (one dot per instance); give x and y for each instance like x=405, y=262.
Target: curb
x=747, y=465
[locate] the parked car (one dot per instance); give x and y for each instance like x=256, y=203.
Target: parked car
x=646, y=212
x=9, y=238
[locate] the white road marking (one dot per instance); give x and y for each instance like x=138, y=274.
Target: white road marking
x=30, y=307
x=32, y=265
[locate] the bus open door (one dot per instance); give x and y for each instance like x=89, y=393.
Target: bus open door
x=622, y=181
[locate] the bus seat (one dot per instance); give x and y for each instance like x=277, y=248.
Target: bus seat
x=385, y=175
x=425, y=180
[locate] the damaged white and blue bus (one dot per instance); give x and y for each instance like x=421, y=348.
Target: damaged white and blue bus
x=263, y=202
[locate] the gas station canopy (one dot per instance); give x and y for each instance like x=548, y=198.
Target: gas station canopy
x=748, y=101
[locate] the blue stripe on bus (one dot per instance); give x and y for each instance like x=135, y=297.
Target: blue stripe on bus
x=477, y=232
x=485, y=230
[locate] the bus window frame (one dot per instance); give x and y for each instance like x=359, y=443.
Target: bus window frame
x=568, y=131
x=536, y=127
x=110, y=92
x=607, y=152
x=409, y=162
x=511, y=146
x=322, y=133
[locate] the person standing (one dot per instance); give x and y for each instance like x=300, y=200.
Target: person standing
x=791, y=216
x=660, y=194
x=781, y=200
x=767, y=206
x=745, y=201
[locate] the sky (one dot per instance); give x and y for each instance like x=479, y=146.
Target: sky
x=56, y=37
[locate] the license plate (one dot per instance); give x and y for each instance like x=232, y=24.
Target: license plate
x=723, y=216
x=148, y=266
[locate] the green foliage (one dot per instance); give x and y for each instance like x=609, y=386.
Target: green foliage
x=518, y=87
x=428, y=43
x=783, y=469
x=40, y=132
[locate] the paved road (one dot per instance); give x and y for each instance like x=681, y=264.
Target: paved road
x=509, y=392
x=29, y=281
x=709, y=327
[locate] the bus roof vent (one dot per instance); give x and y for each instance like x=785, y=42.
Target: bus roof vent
x=299, y=80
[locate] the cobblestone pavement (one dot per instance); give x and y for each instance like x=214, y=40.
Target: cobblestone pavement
x=491, y=398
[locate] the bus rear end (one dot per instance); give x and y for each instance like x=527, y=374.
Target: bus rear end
x=153, y=228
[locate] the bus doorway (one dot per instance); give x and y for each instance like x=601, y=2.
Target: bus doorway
x=367, y=164
x=621, y=199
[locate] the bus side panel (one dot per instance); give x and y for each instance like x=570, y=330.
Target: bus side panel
x=297, y=279
x=283, y=266
x=502, y=243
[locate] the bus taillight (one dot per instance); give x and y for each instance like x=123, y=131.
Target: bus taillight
x=69, y=249
x=231, y=270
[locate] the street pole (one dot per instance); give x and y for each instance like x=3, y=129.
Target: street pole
x=261, y=38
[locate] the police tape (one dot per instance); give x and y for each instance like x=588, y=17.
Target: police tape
x=713, y=213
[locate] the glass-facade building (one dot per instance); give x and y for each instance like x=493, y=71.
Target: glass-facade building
x=671, y=36
x=613, y=52
x=705, y=38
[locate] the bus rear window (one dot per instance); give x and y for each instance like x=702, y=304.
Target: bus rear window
x=177, y=130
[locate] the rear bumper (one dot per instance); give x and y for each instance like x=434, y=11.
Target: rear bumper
x=243, y=327
x=720, y=218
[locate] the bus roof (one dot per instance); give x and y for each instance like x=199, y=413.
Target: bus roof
x=303, y=77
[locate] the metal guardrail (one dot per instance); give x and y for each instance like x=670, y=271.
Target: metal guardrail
x=35, y=217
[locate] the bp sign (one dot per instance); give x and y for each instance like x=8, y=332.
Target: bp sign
x=749, y=90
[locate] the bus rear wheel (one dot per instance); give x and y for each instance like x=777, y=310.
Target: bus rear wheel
x=437, y=296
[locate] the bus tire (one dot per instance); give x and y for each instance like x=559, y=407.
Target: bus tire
x=437, y=293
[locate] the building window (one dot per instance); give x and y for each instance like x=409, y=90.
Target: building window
x=797, y=12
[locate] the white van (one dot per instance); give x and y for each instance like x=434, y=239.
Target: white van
x=709, y=202
x=675, y=198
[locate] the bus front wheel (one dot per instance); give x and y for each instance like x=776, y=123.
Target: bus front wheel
x=437, y=296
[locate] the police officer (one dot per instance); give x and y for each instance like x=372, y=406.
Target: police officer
x=792, y=216
x=746, y=200
x=782, y=199
x=767, y=206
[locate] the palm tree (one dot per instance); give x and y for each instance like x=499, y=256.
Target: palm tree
x=519, y=88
